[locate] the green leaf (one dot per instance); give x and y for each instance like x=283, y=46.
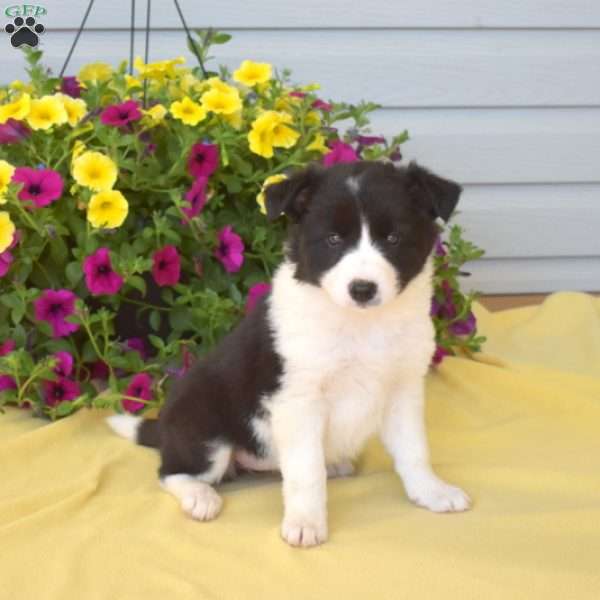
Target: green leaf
x=74, y=273
x=137, y=282
x=220, y=38
x=179, y=319
x=155, y=320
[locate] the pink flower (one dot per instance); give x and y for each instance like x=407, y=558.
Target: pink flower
x=439, y=355
x=119, y=115
x=256, y=292
x=166, y=267
x=230, y=250
x=203, y=160
x=7, y=347
x=321, y=105
x=138, y=345
x=41, y=186
x=71, y=87
x=465, y=326
x=7, y=383
x=297, y=94
x=6, y=259
x=61, y=390
x=64, y=366
x=140, y=386
x=12, y=132
x=196, y=198
x=369, y=140
x=99, y=275
x=54, y=306
x=340, y=153
x=98, y=370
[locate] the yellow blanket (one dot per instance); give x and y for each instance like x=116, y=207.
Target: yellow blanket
x=82, y=516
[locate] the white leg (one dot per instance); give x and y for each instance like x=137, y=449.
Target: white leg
x=298, y=435
x=403, y=434
x=197, y=496
x=344, y=468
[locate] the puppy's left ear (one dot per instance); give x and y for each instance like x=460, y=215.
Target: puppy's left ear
x=436, y=195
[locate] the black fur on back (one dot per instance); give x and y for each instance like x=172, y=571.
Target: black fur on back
x=217, y=398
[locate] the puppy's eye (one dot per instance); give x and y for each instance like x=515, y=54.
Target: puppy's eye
x=392, y=239
x=334, y=239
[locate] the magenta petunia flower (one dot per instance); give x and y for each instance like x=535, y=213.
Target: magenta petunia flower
x=7, y=347
x=140, y=386
x=255, y=293
x=61, y=390
x=322, y=105
x=64, y=366
x=297, y=94
x=230, y=250
x=98, y=370
x=54, y=306
x=119, y=115
x=196, y=198
x=369, y=140
x=6, y=259
x=138, y=345
x=439, y=247
x=41, y=186
x=7, y=383
x=439, y=355
x=166, y=267
x=464, y=326
x=339, y=153
x=70, y=86
x=203, y=160
x=99, y=275
x=12, y=132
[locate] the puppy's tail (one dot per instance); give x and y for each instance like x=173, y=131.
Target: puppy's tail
x=141, y=431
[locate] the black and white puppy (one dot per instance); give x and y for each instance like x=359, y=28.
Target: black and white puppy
x=336, y=353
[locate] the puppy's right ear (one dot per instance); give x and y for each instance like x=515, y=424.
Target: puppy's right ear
x=291, y=196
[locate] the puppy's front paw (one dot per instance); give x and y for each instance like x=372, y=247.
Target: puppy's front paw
x=201, y=502
x=303, y=533
x=438, y=496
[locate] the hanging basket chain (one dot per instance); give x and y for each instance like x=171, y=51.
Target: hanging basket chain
x=147, y=49
x=131, y=37
x=77, y=36
x=190, y=40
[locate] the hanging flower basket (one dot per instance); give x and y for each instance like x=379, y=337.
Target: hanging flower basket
x=132, y=238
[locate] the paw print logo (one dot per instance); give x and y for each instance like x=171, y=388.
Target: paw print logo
x=24, y=31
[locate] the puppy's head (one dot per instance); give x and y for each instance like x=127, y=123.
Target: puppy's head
x=362, y=231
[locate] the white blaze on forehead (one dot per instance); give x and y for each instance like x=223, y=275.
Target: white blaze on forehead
x=365, y=262
x=353, y=184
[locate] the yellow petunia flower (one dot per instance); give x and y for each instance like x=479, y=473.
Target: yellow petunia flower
x=270, y=130
x=76, y=108
x=214, y=83
x=222, y=100
x=157, y=113
x=312, y=118
x=7, y=230
x=107, y=209
x=318, y=144
x=189, y=83
x=17, y=110
x=158, y=70
x=78, y=149
x=95, y=73
x=46, y=112
x=95, y=171
x=19, y=86
x=234, y=119
x=251, y=73
x=260, y=198
x=6, y=173
x=188, y=111
x=132, y=82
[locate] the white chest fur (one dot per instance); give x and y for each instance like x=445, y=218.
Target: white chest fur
x=346, y=361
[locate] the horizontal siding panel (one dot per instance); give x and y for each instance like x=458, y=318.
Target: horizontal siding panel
x=532, y=220
x=501, y=145
x=530, y=275
x=339, y=13
x=398, y=69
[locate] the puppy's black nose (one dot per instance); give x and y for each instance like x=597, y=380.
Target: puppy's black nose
x=362, y=290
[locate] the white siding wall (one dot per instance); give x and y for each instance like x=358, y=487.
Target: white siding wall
x=503, y=96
